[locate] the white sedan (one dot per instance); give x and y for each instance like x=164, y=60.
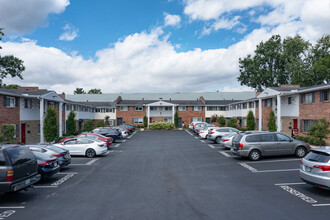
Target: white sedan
x=83, y=146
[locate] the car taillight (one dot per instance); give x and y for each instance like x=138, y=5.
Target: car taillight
x=202, y=131
x=240, y=146
x=212, y=132
x=58, y=155
x=301, y=162
x=117, y=132
x=100, y=145
x=198, y=130
x=45, y=163
x=322, y=167
x=10, y=175
x=225, y=140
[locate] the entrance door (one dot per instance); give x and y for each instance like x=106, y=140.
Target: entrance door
x=119, y=121
x=23, y=134
x=295, y=123
x=180, y=123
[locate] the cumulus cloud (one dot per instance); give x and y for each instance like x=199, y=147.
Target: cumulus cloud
x=222, y=23
x=70, y=33
x=21, y=16
x=172, y=20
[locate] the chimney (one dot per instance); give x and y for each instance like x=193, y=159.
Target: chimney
x=31, y=88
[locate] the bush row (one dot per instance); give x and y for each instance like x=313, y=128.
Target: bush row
x=311, y=140
x=161, y=126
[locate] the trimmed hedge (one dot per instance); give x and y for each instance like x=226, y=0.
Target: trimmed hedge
x=161, y=126
x=311, y=140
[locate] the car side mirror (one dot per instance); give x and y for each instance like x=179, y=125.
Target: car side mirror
x=291, y=139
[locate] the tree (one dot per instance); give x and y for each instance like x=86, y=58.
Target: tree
x=95, y=91
x=214, y=118
x=145, y=121
x=272, y=121
x=88, y=126
x=232, y=123
x=79, y=91
x=106, y=120
x=222, y=121
x=100, y=123
x=250, y=121
x=176, y=119
x=50, y=125
x=8, y=132
x=71, y=123
x=10, y=86
x=10, y=65
x=320, y=129
x=291, y=61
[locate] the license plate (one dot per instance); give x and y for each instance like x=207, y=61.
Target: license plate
x=308, y=169
x=27, y=181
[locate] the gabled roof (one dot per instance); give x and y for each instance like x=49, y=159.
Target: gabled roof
x=46, y=94
x=146, y=102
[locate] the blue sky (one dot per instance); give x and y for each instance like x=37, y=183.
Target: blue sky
x=148, y=45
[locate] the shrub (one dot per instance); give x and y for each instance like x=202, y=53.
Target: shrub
x=88, y=126
x=320, y=129
x=214, y=118
x=1, y=138
x=300, y=138
x=242, y=129
x=311, y=141
x=50, y=125
x=8, y=132
x=71, y=123
x=317, y=142
x=222, y=121
x=100, y=123
x=322, y=142
x=161, y=126
x=145, y=121
x=176, y=119
x=272, y=121
x=232, y=123
x=250, y=121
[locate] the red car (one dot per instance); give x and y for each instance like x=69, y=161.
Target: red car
x=92, y=136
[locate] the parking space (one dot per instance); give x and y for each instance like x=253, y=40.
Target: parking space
x=272, y=169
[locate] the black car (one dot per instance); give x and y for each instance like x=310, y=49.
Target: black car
x=47, y=165
x=108, y=132
x=63, y=155
x=18, y=168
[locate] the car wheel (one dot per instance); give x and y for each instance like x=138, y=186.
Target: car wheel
x=300, y=152
x=217, y=140
x=90, y=152
x=255, y=155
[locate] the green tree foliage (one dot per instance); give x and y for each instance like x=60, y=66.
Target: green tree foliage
x=8, y=132
x=79, y=91
x=71, y=123
x=291, y=61
x=106, y=120
x=95, y=91
x=221, y=120
x=100, y=123
x=214, y=118
x=145, y=121
x=176, y=119
x=320, y=129
x=250, y=121
x=10, y=86
x=88, y=125
x=232, y=123
x=10, y=65
x=272, y=121
x=50, y=125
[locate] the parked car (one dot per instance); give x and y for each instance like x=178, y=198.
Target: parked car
x=315, y=167
x=130, y=127
x=226, y=141
x=257, y=144
x=124, y=132
x=202, y=127
x=216, y=134
x=92, y=136
x=84, y=147
x=18, y=168
x=205, y=131
x=108, y=132
x=64, y=157
x=47, y=165
x=198, y=125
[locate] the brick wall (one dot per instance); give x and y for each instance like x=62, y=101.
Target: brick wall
x=265, y=115
x=130, y=114
x=10, y=115
x=189, y=114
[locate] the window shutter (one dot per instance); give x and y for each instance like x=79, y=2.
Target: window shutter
x=16, y=102
x=301, y=98
x=301, y=124
x=127, y=108
x=313, y=97
x=321, y=96
x=5, y=101
x=17, y=130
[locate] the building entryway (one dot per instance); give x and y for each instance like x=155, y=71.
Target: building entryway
x=23, y=133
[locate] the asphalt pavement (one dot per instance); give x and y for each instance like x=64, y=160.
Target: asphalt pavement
x=171, y=175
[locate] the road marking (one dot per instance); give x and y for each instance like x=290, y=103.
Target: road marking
x=92, y=161
x=202, y=141
x=298, y=194
x=123, y=141
x=196, y=137
x=211, y=146
x=12, y=207
x=189, y=132
x=288, y=184
x=63, y=179
x=132, y=134
x=107, y=152
x=271, y=171
x=40, y=187
x=68, y=173
x=117, y=145
x=273, y=161
x=321, y=205
x=253, y=170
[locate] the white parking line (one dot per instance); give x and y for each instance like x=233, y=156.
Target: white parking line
x=211, y=146
x=40, y=187
x=117, y=145
x=273, y=171
x=224, y=153
x=202, y=141
x=189, y=132
x=12, y=207
x=321, y=205
x=273, y=161
x=107, y=152
x=253, y=170
x=92, y=161
x=123, y=141
x=63, y=179
x=196, y=137
x=288, y=184
x=298, y=194
x=68, y=173
x=132, y=135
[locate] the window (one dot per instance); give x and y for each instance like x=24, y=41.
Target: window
x=137, y=120
x=20, y=155
x=38, y=128
x=251, y=105
x=253, y=138
x=153, y=108
x=197, y=108
x=182, y=108
x=308, y=98
x=239, y=106
x=167, y=119
x=244, y=105
x=51, y=104
x=268, y=137
x=68, y=107
x=308, y=124
x=215, y=108
x=123, y=108
x=9, y=102
x=138, y=108
x=282, y=137
x=324, y=95
x=28, y=103
x=168, y=108
x=196, y=119
x=268, y=102
x=257, y=104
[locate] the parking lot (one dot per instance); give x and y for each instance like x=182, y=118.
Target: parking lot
x=170, y=175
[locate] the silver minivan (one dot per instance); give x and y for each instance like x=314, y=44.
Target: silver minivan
x=256, y=144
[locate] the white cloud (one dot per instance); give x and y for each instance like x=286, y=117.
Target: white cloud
x=21, y=16
x=172, y=20
x=70, y=33
x=221, y=24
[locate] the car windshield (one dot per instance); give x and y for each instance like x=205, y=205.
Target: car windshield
x=54, y=148
x=42, y=156
x=19, y=154
x=318, y=156
x=2, y=159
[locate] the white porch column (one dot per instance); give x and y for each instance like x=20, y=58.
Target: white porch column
x=279, y=115
x=60, y=119
x=260, y=114
x=42, y=137
x=173, y=113
x=148, y=114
